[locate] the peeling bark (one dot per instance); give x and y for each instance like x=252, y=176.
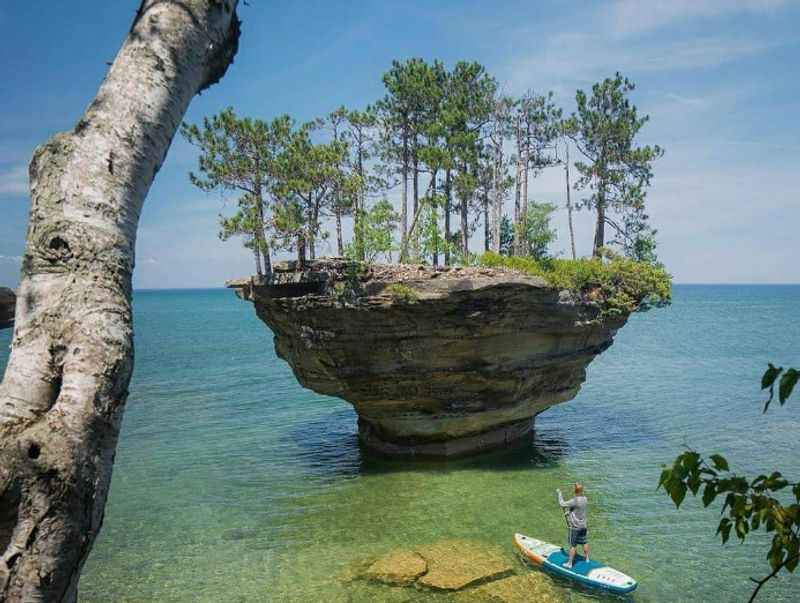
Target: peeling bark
x=64, y=390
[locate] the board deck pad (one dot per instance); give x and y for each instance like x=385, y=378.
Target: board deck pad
x=592, y=573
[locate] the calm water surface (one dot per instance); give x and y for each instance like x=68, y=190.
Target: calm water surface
x=233, y=483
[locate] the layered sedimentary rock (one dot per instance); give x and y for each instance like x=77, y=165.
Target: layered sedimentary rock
x=436, y=362
x=8, y=301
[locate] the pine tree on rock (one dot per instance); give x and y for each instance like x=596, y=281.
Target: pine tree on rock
x=616, y=172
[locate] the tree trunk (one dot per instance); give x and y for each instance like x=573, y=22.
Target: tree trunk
x=569, y=207
x=600, y=227
x=415, y=193
x=517, y=243
x=498, y=199
x=267, y=261
x=465, y=221
x=448, y=200
x=361, y=203
x=487, y=233
x=261, y=239
x=313, y=229
x=523, y=236
x=436, y=220
x=66, y=382
x=411, y=228
x=404, y=198
x=301, y=250
x=257, y=255
x=339, y=245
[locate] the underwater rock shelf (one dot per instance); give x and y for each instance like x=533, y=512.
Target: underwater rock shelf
x=436, y=361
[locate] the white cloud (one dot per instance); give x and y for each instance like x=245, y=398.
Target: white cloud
x=14, y=181
x=13, y=259
x=581, y=58
x=628, y=17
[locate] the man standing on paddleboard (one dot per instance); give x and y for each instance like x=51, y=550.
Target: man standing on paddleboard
x=576, y=520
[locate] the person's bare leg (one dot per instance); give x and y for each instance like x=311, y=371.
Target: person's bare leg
x=586, y=551
x=571, y=557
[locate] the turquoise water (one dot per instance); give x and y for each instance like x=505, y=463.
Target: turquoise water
x=233, y=483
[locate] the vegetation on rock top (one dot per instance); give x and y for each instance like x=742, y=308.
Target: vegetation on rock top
x=621, y=285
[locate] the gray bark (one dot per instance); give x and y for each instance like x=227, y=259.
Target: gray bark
x=65, y=386
x=465, y=221
x=517, y=244
x=524, y=247
x=339, y=242
x=498, y=197
x=447, y=209
x=600, y=227
x=404, y=198
x=569, y=207
x=487, y=236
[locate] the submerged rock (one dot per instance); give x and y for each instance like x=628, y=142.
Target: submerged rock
x=534, y=586
x=448, y=565
x=436, y=362
x=8, y=301
x=398, y=568
x=458, y=564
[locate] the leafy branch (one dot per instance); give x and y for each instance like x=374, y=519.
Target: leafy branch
x=748, y=505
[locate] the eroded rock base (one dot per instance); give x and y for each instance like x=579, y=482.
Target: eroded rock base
x=516, y=433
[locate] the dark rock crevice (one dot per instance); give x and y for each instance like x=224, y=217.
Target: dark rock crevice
x=8, y=301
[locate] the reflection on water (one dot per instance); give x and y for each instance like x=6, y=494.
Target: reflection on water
x=330, y=447
x=233, y=483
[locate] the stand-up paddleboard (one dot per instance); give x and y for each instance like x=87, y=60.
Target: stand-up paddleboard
x=589, y=573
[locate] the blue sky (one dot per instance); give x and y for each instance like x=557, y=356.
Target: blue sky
x=719, y=78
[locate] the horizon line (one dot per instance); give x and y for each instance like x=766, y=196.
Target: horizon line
x=692, y=283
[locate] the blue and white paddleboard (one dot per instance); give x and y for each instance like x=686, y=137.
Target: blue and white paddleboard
x=589, y=573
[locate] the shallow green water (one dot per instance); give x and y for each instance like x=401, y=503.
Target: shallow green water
x=232, y=483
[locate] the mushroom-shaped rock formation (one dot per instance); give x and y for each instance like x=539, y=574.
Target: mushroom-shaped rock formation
x=7, y=303
x=436, y=361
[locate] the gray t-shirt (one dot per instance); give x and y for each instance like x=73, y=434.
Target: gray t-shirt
x=577, y=510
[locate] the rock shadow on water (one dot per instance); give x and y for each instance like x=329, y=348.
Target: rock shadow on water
x=330, y=449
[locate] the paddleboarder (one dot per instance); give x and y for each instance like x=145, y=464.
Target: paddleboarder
x=576, y=521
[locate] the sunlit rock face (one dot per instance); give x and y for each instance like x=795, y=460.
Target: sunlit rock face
x=436, y=362
x=7, y=302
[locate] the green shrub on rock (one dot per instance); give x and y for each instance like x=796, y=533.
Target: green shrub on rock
x=620, y=285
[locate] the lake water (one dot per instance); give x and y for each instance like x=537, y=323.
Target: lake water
x=233, y=483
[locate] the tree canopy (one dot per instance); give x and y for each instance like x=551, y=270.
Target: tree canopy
x=452, y=147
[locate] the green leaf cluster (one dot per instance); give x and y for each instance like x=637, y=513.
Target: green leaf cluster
x=377, y=230
x=619, y=285
x=786, y=380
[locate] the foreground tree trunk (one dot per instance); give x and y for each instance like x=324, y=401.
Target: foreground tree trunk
x=66, y=382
